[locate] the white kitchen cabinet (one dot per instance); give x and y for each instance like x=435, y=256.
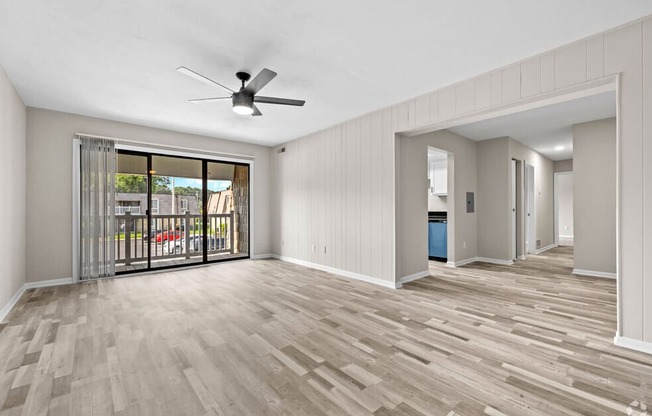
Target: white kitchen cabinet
x=439, y=177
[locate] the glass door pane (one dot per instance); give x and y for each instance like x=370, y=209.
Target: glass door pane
x=176, y=201
x=227, y=210
x=131, y=233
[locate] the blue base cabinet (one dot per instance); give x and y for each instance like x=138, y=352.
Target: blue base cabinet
x=437, y=245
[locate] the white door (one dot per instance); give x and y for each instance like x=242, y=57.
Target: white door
x=530, y=222
x=513, y=213
x=564, y=208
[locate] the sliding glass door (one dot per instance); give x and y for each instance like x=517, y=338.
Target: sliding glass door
x=131, y=205
x=173, y=211
x=176, y=214
x=227, y=209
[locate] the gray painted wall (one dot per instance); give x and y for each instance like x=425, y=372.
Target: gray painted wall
x=480, y=167
x=543, y=195
x=563, y=165
x=411, y=230
x=493, y=204
x=12, y=208
x=594, y=204
x=49, y=182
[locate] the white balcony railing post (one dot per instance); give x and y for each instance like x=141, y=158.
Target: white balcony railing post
x=231, y=232
x=186, y=233
x=127, y=238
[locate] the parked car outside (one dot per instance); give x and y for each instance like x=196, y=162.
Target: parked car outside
x=153, y=231
x=168, y=235
x=196, y=243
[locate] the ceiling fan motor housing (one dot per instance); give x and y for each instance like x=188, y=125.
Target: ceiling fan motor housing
x=242, y=99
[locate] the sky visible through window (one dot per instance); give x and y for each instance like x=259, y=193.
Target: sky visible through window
x=213, y=185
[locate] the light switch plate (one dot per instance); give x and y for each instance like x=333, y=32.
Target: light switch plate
x=470, y=202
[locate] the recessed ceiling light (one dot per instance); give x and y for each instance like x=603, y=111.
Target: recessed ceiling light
x=559, y=147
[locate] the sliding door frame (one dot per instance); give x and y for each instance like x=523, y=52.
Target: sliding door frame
x=204, y=168
x=141, y=148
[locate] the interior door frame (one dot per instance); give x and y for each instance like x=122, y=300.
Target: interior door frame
x=530, y=210
x=513, y=192
x=556, y=200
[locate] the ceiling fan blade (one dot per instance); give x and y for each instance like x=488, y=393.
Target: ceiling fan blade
x=277, y=100
x=260, y=81
x=201, y=78
x=208, y=100
x=256, y=111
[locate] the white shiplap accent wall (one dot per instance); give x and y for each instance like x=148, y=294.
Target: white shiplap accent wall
x=354, y=164
x=343, y=202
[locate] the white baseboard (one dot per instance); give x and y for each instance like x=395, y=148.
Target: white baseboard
x=30, y=285
x=566, y=240
x=461, y=262
x=593, y=273
x=499, y=262
x=633, y=344
x=12, y=302
x=546, y=248
x=339, y=272
x=482, y=259
x=48, y=283
x=420, y=275
x=261, y=256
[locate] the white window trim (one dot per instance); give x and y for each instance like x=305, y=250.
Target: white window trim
x=157, y=205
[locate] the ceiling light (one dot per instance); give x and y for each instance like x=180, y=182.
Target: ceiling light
x=559, y=147
x=243, y=109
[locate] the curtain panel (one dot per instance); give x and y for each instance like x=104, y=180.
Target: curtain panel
x=97, y=228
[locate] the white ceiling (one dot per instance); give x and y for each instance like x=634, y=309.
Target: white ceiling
x=117, y=59
x=544, y=128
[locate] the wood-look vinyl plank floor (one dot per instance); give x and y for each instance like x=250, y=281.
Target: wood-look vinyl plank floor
x=266, y=337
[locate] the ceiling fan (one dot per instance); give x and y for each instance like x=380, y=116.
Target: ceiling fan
x=243, y=100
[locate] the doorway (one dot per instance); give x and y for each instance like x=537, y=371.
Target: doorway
x=564, y=208
x=529, y=211
x=439, y=195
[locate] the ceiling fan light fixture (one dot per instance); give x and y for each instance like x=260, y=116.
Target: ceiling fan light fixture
x=243, y=100
x=243, y=110
x=243, y=104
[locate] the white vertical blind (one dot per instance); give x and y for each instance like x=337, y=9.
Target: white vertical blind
x=97, y=239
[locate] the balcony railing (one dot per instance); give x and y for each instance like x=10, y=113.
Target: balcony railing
x=171, y=236
x=123, y=209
